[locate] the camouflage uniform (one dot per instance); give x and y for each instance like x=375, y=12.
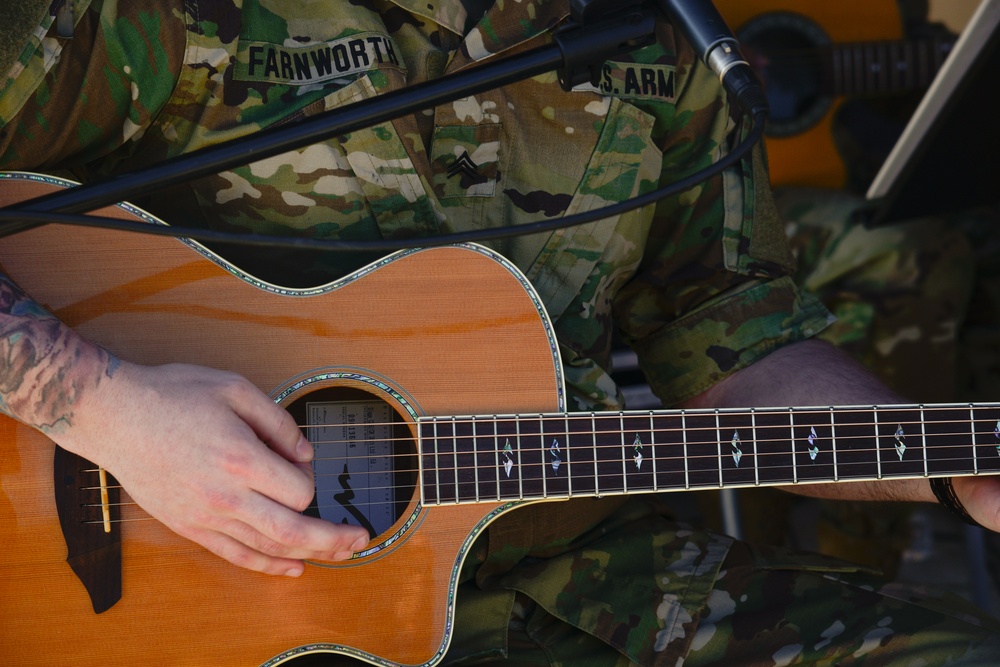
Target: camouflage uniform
x=700, y=286
x=900, y=294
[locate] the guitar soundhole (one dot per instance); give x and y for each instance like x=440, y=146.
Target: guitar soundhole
x=786, y=50
x=365, y=461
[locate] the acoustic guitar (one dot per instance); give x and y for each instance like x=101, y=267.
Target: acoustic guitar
x=812, y=56
x=430, y=386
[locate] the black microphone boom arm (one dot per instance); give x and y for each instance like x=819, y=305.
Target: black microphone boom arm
x=599, y=30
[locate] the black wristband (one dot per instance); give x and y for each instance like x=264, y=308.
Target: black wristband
x=945, y=493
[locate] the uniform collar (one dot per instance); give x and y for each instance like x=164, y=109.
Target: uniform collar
x=506, y=24
x=449, y=14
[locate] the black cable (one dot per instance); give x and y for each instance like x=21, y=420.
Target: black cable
x=619, y=33
x=473, y=236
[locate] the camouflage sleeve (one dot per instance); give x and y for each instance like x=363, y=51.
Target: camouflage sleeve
x=715, y=291
x=68, y=102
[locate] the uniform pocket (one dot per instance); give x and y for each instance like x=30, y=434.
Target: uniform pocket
x=624, y=164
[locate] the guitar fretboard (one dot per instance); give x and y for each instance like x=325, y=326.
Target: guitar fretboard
x=866, y=68
x=522, y=457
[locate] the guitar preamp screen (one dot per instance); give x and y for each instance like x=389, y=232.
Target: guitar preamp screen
x=353, y=463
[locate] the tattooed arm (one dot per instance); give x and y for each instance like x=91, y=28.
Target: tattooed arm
x=202, y=450
x=46, y=368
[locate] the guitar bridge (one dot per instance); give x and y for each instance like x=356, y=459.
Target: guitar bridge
x=87, y=503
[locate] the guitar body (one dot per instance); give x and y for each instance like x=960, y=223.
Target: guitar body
x=442, y=331
x=807, y=156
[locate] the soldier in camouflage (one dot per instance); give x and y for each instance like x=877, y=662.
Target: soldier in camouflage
x=700, y=286
x=900, y=295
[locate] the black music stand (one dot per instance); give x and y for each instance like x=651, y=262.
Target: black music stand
x=946, y=159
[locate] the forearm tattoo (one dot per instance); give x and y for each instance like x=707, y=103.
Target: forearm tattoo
x=45, y=367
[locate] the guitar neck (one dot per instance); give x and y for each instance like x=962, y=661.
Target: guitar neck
x=559, y=456
x=883, y=67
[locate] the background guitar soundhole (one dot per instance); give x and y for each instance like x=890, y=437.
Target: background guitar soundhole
x=790, y=52
x=365, y=462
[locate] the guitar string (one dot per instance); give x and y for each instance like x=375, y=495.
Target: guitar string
x=715, y=443
x=916, y=444
x=712, y=484
x=632, y=489
x=870, y=63
x=563, y=438
x=566, y=435
x=916, y=441
x=722, y=413
x=617, y=473
x=843, y=468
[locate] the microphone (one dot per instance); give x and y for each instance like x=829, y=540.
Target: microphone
x=718, y=48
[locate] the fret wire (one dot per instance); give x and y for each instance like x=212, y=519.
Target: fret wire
x=795, y=466
x=837, y=69
x=621, y=427
x=791, y=429
x=870, y=73
x=475, y=456
x=833, y=444
x=437, y=464
x=845, y=56
x=878, y=57
x=972, y=427
x=593, y=429
x=859, y=68
x=860, y=75
x=881, y=66
x=718, y=438
x=903, y=64
x=569, y=468
x=878, y=450
x=923, y=437
x=517, y=448
x=652, y=449
x=687, y=472
x=884, y=58
x=454, y=432
x=902, y=61
x=541, y=452
x=851, y=69
x=496, y=454
x=753, y=434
